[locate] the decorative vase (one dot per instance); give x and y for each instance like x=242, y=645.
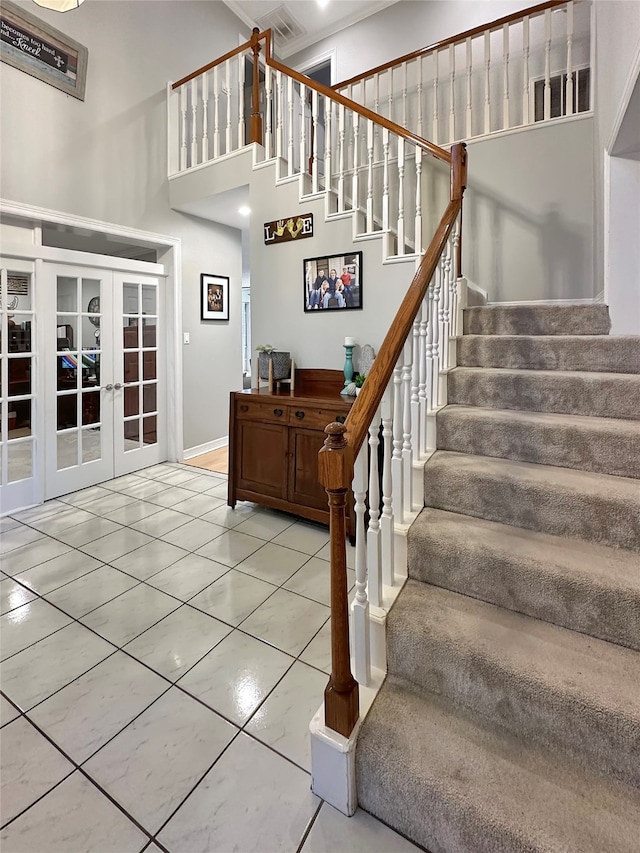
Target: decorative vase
x=281, y=365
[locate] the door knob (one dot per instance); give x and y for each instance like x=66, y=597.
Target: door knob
x=108, y=387
x=118, y=386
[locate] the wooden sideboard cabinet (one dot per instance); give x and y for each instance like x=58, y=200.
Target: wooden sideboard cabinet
x=274, y=440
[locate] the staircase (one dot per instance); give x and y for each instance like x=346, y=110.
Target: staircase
x=510, y=717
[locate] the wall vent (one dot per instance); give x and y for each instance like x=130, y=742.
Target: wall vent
x=284, y=25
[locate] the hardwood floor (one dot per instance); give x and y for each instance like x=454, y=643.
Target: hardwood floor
x=215, y=460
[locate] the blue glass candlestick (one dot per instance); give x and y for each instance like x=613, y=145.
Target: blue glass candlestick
x=348, y=366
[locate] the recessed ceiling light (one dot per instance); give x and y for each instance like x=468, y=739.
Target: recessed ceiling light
x=322, y=3
x=244, y=211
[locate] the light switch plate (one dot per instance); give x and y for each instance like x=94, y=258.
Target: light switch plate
x=186, y=338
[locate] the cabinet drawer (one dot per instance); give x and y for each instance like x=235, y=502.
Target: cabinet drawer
x=312, y=418
x=261, y=411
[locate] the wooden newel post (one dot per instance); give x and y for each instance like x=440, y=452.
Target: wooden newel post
x=335, y=466
x=458, y=186
x=255, y=125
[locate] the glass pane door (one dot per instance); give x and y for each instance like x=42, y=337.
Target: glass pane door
x=140, y=433
x=18, y=385
x=80, y=380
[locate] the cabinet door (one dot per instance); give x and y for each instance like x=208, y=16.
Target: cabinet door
x=261, y=458
x=304, y=486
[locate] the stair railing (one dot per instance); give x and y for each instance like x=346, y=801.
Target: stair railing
x=531, y=66
x=343, y=459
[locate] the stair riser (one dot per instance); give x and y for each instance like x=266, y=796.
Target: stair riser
x=516, y=584
x=525, y=705
x=598, y=395
x=537, y=320
x=562, y=445
x=548, y=508
x=598, y=354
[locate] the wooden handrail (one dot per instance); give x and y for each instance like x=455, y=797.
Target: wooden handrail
x=329, y=92
x=248, y=45
x=460, y=37
x=336, y=458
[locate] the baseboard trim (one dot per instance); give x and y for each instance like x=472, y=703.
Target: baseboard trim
x=207, y=447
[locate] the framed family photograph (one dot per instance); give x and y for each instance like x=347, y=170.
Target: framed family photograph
x=333, y=282
x=214, y=297
x=38, y=49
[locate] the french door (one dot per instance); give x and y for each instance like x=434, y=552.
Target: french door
x=105, y=394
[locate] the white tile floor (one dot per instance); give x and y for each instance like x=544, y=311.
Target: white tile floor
x=161, y=657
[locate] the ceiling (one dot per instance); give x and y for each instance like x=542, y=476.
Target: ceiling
x=303, y=22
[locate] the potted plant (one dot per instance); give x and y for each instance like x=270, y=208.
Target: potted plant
x=359, y=382
x=281, y=362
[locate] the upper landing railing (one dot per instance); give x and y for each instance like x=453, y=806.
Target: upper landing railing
x=528, y=67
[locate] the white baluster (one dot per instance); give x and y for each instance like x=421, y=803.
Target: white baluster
x=183, y=127
x=455, y=330
x=435, y=320
x=419, y=95
x=241, y=123
x=303, y=129
x=526, y=118
x=385, y=180
x=387, y=520
x=435, y=97
x=315, y=163
x=506, y=119
x=390, y=98
x=376, y=102
x=415, y=385
x=342, y=155
x=407, y=452
x=374, y=541
x=268, y=107
x=404, y=94
x=401, y=237
x=227, y=92
x=279, y=118
x=429, y=345
x=290, y=122
x=194, y=121
x=362, y=653
x=205, y=117
x=422, y=377
x=369, y=226
x=547, y=64
x=418, y=228
x=569, y=87
x=327, y=143
x=469, y=88
x=445, y=303
x=452, y=104
x=397, y=468
x=355, y=118
x=487, y=85
x=216, y=113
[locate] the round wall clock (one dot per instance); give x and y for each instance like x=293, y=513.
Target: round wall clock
x=94, y=308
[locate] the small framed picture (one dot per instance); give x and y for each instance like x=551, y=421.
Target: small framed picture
x=214, y=297
x=333, y=282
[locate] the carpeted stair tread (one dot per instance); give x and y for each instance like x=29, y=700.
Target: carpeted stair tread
x=601, y=445
x=578, y=585
x=537, y=320
x=456, y=786
x=558, y=688
x=614, y=395
x=561, y=501
x=601, y=354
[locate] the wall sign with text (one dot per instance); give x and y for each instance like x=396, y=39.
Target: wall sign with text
x=33, y=46
x=284, y=230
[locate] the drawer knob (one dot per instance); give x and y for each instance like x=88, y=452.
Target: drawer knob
x=300, y=415
x=244, y=408
x=277, y=412
x=340, y=419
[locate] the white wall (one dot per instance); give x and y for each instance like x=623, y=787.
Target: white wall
x=623, y=273
x=105, y=158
